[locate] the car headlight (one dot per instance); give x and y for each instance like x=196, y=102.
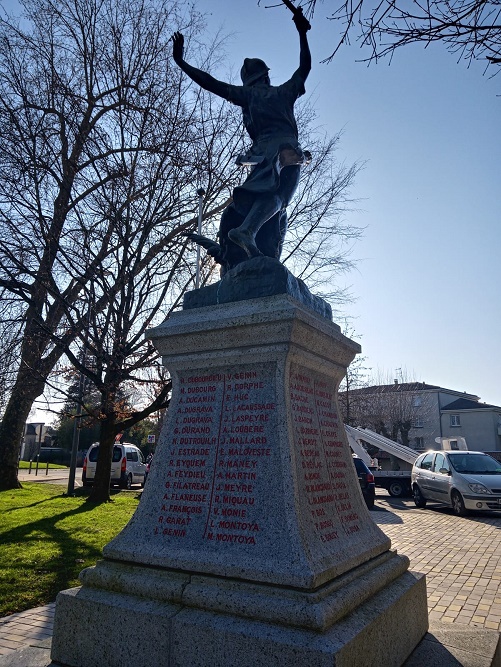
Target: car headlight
x=479, y=488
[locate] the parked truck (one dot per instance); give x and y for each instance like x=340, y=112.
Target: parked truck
x=396, y=482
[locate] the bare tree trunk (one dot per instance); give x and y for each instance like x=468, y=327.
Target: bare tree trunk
x=101, y=488
x=405, y=427
x=28, y=386
x=11, y=434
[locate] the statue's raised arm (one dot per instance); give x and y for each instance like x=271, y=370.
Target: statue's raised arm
x=200, y=77
x=255, y=222
x=303, y=25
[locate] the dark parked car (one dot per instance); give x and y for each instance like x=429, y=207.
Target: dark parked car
x=147, y=471
x=366, y=480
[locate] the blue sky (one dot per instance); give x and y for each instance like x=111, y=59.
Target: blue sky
x=428, y=276
x=428, y=271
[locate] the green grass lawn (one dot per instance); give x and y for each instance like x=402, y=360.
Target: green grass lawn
x=25, y=465
x=47, y=538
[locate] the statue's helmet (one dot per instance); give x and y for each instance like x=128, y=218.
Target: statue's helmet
x=252, y=70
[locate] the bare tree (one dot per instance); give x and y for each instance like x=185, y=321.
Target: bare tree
x=10, y=336
x=319, y=240
x=387, y=406
x=355, y=378
x=86, y=94
x=103, y=144
x=153, y=277
x=470, y=29
x=116, y=354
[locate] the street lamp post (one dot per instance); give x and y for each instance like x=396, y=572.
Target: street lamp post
x=78, y=413
x=76, y=437
x=201, y=194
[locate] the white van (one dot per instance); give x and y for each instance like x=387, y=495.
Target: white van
x=127, y=465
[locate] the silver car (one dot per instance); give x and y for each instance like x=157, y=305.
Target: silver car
x=462, y=480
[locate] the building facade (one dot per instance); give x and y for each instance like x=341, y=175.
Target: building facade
x=417, y=413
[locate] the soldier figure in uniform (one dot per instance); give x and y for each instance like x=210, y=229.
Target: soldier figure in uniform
x=255, y=222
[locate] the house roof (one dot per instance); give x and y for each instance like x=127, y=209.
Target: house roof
x=406, y=386
x=391, y=388
x=465, y=404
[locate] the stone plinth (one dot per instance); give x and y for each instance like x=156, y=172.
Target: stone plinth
x=257, y=278
x=252, y=543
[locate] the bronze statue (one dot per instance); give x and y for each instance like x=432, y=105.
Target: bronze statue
x=255, y=222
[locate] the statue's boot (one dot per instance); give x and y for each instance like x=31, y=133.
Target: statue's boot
x=245, y=239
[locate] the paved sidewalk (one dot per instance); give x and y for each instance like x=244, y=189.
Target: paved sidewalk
x=461, y=558
x=52, y=476
x=27, y=627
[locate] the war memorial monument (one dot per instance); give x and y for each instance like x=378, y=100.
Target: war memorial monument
x=252, y=545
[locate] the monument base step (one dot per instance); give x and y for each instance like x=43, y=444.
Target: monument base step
x=445, y=645
x=96, y=627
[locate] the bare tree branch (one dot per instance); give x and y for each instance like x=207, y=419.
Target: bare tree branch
x=469, y=29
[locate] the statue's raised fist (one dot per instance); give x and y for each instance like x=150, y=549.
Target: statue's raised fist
x=178, y=46
x=302, y=23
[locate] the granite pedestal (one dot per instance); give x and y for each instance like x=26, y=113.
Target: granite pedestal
x=252, y=544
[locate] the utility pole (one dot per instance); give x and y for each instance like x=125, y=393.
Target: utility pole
x=78, y=413
x=201, y=194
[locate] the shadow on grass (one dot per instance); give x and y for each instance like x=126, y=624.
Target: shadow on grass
x=60, y=571
x=113, y=492
x=79, y=493
x=25, y=507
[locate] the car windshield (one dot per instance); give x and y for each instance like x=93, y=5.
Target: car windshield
x=475, y=464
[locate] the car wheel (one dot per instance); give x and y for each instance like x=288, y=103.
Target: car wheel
x=128, y=482
x=458, y=504
x=396, y=489
x=419, y=499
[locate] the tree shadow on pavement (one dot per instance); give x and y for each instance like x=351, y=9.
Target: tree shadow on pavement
x=383, y=515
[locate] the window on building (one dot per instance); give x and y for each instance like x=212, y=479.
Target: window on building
x=455, y=420
x=419, y=443
x=417, y=401
x=417, y=422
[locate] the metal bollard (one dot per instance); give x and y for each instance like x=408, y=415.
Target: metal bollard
x=31, y=463
x=47, y=469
